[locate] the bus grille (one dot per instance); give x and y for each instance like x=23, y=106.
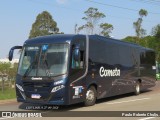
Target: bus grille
x=40, y=86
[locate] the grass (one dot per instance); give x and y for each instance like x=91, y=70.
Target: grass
x=9, y=93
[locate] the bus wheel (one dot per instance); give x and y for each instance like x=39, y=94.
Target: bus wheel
x=90, y=96
x=137, y=88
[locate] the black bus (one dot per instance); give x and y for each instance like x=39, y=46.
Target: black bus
x=68, y=69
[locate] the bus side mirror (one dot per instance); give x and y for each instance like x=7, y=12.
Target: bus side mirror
x=76, y=53
x=10, y=56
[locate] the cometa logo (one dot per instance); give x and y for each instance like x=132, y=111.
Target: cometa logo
x=104, y=72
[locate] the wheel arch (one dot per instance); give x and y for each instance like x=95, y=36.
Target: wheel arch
x=92, y=84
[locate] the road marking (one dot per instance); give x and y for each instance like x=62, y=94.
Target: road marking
x=1, y=118
x=147, y=118
x=127, y=101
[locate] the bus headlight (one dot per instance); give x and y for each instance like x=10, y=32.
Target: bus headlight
x=20, y=87
x=55, y=89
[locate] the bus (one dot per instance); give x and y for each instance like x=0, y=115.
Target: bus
x=67, y=69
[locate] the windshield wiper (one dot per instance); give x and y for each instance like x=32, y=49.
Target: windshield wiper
x=48, y=73
x=29, y=69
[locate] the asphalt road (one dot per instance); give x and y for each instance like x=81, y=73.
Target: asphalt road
x=148, y=100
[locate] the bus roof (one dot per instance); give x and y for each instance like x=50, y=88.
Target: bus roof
x=62, y=38
x=57, y=38
x=112, y=40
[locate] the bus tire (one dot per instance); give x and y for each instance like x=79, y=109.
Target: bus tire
x=91, y=95
x=137, y=88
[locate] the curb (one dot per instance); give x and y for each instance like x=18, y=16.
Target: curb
x=7, y=101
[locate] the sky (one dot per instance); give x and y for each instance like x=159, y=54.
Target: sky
x=17, y=17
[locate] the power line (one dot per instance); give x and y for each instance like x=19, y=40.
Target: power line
x=154, y=1
x=150, y=1
x=146, y=2
x=104, y=4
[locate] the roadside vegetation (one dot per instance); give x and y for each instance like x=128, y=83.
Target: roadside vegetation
x=7, y=80
x=9, y=93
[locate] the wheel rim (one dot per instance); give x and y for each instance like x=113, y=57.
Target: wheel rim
x=90, y=95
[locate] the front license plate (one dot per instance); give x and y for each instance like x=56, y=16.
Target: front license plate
x=36, y=96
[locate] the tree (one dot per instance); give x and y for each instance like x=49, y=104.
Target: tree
x=44, y=25
x=156, y=31
x=92, y=26
x=4, y=69
x=140, y=32
x=147, y=41
x=13, y=71
x=156, y=34
x=106, y=29
x=9, y=71
x=143, y=13
x=131, y=39
x=92, y=18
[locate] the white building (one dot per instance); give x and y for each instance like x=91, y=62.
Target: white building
x=5, y=60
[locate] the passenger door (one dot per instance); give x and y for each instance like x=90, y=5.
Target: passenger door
x=77, y=71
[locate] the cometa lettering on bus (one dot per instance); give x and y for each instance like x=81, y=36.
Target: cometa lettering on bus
x=104, y=72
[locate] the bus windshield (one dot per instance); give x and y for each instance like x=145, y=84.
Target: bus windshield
x=44, y=60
